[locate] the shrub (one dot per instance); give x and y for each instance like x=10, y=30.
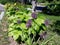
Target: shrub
x=3, y=1
x=52, y=9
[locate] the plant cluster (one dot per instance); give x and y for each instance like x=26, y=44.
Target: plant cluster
x=25, y=26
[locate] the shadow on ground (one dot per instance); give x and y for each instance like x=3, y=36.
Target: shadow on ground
x=56, y=27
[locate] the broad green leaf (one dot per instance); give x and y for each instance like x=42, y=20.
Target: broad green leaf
x=19, y=13
x=15, y=37
x=36, y=27
x=29, y=41
x=27, y=17
x=11, y=18
x=23, y=26
x=7, y=13
x=15, y=34
x=24, y=36
x=11, y=24
x=10, y=29
x=39, y=21
x=44, y=27
x=22, y=17
x=10, y=8
x=10, y=33
x=30, y=31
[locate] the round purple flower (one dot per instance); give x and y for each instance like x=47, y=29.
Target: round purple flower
x=28, y=24
x=29, y=21
x=41, y=36
x=46, y=22
x=34, y=15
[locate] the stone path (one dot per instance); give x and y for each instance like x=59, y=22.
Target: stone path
x=3, y=32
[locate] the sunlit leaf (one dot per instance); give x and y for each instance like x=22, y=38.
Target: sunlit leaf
x=23, y=26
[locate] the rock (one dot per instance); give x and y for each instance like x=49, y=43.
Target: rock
x=1, y=15
x=1, y=7
x=1, y=11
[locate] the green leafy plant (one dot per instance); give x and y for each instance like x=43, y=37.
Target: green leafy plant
x=25, y=26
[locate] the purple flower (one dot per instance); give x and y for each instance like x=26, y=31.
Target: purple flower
x=45, y=33
x=46, y=22
x=29, y=21
x=18, y=21
x=34, y=15
x=28, y=24
x=41, y=36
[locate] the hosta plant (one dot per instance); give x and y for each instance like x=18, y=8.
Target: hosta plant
x=25, y=26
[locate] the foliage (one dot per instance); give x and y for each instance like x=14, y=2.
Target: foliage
x=49, y=1
x=52, y=9
x=41, y=1
x=28, y=1
x=3, y=1
x=56, y=27
x=23, y=25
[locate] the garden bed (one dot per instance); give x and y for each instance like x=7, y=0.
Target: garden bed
x=52, y=38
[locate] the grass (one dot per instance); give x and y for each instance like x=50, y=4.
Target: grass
x=50, y=33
